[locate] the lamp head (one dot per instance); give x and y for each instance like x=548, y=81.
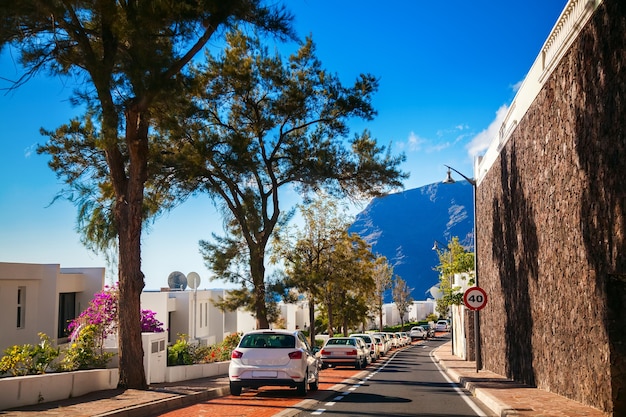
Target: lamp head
x=449, y=179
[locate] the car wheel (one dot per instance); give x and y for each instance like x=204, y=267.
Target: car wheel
x=235, y=389
x=303, y=386
x=313, y=386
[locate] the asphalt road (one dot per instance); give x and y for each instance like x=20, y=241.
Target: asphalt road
x=409, y=383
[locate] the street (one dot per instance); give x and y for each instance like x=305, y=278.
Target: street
x=405, y=383
x=409, y=384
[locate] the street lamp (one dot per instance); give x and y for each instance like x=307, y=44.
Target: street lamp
x=450, y=180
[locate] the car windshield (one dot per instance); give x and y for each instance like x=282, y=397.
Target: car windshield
x=268, y=341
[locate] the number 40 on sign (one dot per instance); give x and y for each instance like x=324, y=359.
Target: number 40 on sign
x=475, y=298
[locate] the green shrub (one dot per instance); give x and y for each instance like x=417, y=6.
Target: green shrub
x=184, y=353
x=86, y=351
x=28, y=359
x=180, y=353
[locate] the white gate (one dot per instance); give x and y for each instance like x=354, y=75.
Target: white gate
x=154, y=356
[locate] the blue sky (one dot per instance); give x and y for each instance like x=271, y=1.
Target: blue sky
x=448, y=71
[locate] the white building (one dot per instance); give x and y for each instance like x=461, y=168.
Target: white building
x=43, y=298
x=192, y=313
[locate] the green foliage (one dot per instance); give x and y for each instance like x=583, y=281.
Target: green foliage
x=184, y=353
x=132, y=62
x=401, y=294
x=180, y=353
x=454, y=259
x=431, y=317
x=86, y=352
x=28, y=359
x=274, y=124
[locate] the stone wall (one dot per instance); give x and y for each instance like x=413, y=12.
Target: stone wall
x=551, y=222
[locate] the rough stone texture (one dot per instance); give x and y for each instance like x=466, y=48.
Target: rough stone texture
x=551, y=222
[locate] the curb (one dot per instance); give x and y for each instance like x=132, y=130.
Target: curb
x=496, y=406
x=167, y=404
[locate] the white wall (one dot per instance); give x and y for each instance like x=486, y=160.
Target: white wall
x=42, y=284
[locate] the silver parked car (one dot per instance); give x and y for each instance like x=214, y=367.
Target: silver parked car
x=418, y=332
x=274, y=358
x=349, y=351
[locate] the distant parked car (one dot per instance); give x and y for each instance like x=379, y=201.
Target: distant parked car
x=442, y=326
x=274, y=358
x=430, y=332
x=380, y=343
x=371, y=345
x=386, y=341
x=418, y=332
x=349, y=351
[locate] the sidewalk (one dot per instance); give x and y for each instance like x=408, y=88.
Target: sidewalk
x=503, y=396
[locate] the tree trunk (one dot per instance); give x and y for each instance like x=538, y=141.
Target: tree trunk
x=129, y=188
x=312, y=319
x=329, y=310
x=257, y=270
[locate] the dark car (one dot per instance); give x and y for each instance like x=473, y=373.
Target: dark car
x=430, y=332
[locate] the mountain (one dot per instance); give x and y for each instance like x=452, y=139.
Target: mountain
x=404, y=226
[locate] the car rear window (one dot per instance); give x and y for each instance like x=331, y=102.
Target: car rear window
x=366, y=338
x=340, y=342
x=268, y=341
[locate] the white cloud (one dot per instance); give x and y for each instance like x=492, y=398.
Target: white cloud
x=28, y=152
x=481, y=141
x=517, y=86
x=414, y=142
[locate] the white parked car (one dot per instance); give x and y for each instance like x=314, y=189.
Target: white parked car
x=370, y=343
x=442, y=326
x=349, y=351
x=386, y=342
x=418, y=332
x=274, y=358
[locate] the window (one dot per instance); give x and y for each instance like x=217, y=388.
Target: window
x=67, y=312
x=21, y=298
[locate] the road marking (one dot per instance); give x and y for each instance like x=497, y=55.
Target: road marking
x=456, y=387
x=318, y=411
x=330, y=403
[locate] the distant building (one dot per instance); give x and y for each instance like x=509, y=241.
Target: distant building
x=192, y=313
x=43, y=298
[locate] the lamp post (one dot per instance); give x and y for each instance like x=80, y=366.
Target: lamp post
x=450, y=180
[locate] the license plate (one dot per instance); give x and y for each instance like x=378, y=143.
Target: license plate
x=264, y=374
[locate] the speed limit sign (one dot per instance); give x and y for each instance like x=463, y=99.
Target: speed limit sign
x=475, y=298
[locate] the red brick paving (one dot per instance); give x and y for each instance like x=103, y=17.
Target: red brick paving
x=264, y=402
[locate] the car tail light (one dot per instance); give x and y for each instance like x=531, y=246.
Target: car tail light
x=325, y=352
x=236, y=354
x=296, y=355
x=352, y=352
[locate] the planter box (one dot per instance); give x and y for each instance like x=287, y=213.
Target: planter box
x=20, y=391
x=187, y=372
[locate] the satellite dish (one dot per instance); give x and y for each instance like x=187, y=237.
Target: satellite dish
x=177, y=281
x=193, y=280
